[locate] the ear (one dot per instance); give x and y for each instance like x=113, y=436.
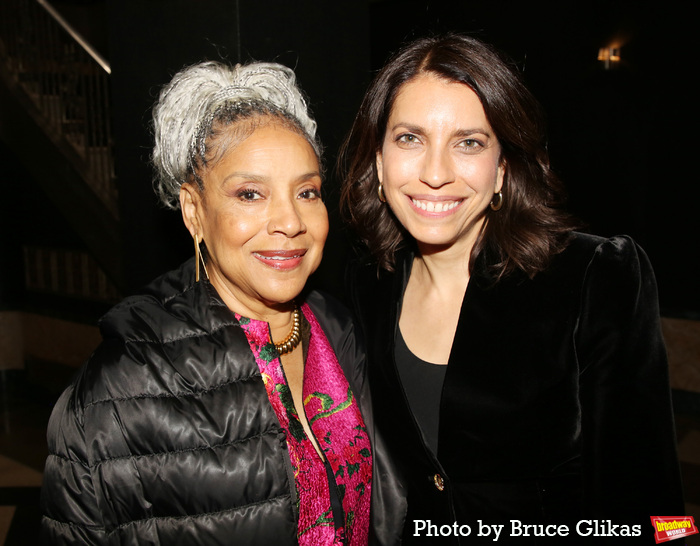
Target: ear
x=379, y=163
x=501, y=173
x=191, y=207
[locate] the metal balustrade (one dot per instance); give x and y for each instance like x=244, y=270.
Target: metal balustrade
x=66, y=84
x=69, y=273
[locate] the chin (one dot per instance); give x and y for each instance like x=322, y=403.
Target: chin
x=434, y=239
x=283, y=294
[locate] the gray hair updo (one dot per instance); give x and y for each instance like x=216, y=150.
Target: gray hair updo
x=202, y=95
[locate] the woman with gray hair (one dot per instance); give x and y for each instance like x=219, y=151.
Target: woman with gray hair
x=223, y=406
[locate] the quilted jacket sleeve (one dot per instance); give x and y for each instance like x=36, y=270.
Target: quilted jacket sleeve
x=69, y=507
x=630, y=464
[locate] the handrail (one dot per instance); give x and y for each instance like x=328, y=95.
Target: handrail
x=55, y=88
x=76, y=36
x=65, y=89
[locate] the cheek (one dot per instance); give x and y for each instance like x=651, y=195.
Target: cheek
x=320, y=226
x=397, y=170
x=234, y=233
x=481, y=176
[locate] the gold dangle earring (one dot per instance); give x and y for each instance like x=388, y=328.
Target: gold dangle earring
x=197, y=257
x=380, y=193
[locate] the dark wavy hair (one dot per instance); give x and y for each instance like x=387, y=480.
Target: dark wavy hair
x=531, y=227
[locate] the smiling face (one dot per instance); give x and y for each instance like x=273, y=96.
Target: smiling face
x=439, y=163
x=261, y=217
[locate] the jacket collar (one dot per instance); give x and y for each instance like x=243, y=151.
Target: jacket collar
x=170, y=305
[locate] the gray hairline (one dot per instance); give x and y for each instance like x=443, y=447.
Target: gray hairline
x=260, y=115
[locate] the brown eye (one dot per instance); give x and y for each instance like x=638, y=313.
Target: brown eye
x=310, y=194
x=248, y=195
x=471, y=143
x=407, y=138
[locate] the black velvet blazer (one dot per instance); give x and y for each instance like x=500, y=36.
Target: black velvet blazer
x=555, y=407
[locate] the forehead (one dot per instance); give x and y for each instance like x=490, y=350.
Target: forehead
x=237, y=131
x=275, y=135
x=269, y=148
x=237, y=138
x=430, y=96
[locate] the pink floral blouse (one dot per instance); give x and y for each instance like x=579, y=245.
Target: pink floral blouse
x=340, y=431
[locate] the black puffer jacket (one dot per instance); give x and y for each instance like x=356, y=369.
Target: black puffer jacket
x=167, y=436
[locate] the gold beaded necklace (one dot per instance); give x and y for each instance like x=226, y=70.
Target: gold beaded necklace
x=292, y=340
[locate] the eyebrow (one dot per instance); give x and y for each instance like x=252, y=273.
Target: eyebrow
x=252, y=177
x=470, y=132
x=460, y=132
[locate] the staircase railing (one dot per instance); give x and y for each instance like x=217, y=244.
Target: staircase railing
x=66, y=84
x=69, y=273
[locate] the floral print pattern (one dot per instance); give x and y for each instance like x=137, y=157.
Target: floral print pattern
x=336, y=422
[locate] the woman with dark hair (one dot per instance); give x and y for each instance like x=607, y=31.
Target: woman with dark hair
x=517, y=367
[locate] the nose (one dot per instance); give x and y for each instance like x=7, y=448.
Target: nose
x=436, y=169
x=285, y=218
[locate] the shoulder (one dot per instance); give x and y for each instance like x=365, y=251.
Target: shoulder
x=171, y=307
x=370, y=288
x=592, y=271
x=586, y=242
x=617, y=276
x=150, y=342
x=327, y=307
x=339, y=327
x=147, y=316
x=616, y=247
x=333, y=316
x=366, y=273
x=619, y=254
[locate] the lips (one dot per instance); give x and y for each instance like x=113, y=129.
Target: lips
x=281, y=259
x=436, y=207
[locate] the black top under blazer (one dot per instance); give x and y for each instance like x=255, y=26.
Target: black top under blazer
x=555, y=407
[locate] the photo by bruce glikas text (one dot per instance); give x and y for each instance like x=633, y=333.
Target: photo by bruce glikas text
x=516, y=528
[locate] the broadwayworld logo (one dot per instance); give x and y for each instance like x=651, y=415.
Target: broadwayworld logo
x=670, y=528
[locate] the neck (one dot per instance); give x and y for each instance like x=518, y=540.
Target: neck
x=278, y=315
x=443, y=270
x=443, y=278
x=445, y=266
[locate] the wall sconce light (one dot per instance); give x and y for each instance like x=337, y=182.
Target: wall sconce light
x=609, y=56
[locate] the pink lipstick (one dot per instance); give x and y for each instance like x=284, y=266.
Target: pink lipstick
x=281, y=259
